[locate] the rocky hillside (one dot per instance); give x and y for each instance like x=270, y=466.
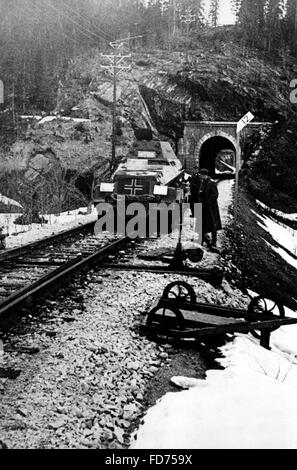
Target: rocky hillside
x=160, y=91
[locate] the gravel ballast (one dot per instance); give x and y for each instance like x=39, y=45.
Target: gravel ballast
x=86, y=385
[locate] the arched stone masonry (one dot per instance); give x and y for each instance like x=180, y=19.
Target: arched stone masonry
x=196, y=133
x=210, y=135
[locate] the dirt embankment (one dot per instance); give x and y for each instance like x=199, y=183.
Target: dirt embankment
x=258, y=267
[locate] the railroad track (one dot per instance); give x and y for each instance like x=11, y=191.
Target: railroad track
x=142, y=259
x=40, y=267
x=37, y=268
x=14, y=252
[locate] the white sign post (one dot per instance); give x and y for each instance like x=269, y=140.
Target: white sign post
x=244, y=121
x=240, y=126
x=1, y=92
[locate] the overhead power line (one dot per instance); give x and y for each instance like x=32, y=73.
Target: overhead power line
x=83, y=30
x=36, y=15
x=103, y=34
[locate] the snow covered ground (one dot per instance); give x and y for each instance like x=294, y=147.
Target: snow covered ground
x=251, y=404
x=45, y=119
x=226, y=190
x=22, y=234
x=283, y=215
x=285, y=237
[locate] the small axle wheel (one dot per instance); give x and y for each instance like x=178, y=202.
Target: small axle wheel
x=180, y=291
x=260, y=309
x=166, y=318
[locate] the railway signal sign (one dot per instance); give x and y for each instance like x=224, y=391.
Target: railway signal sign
x=1, y=92
x=244, y=121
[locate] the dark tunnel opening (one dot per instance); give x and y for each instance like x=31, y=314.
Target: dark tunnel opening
x=210, y=150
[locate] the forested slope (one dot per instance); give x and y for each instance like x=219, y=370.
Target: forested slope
x=52, y=64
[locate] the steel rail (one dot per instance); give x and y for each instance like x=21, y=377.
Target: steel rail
x=57, y=277
x=20, y=250
x=210, y=275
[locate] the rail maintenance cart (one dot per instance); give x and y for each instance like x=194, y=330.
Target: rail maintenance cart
x=177, y=314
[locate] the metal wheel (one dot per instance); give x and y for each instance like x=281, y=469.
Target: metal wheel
x=180, y=291
x=260, y=308
x=166, y=318
x=195, y=256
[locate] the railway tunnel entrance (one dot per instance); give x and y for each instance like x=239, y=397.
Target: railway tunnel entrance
x=203, y=141
x=217, y=155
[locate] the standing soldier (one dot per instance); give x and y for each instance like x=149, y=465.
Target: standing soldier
x=195, y=183
x=2, y=239
x=211, y=220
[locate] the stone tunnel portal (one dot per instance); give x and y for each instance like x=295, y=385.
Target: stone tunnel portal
x=203, y=140
x=210, y=150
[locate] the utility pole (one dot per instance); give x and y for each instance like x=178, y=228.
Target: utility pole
x=164, y=6
x=174, y=17
x=115, y=67
x=188, y=18
x=1, y=92
x=295, y=22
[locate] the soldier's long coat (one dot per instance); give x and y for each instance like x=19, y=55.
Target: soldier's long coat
x=211, y=220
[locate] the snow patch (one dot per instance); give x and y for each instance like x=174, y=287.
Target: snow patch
x=185, y=382
x=250, y=405
x=62, y=118
x=289, y=259
x=9, y=202
x=285, y=236
x=19, y=235
x=283, y=215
